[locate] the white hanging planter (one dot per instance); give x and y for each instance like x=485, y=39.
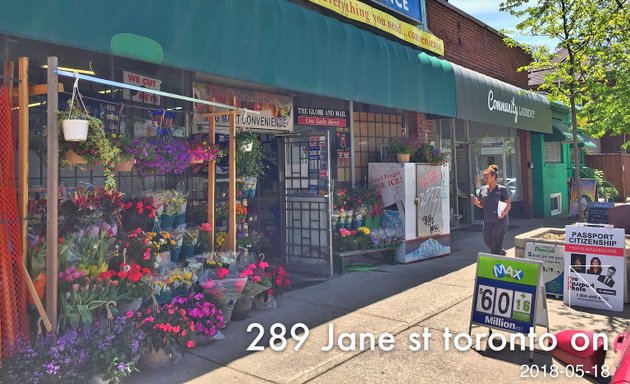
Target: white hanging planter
x=247, y=147
x=75, y=130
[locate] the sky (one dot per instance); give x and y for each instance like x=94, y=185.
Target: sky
x=488, y=12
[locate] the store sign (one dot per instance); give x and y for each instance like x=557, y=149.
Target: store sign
x=388, y=182
x=594, y=266
x=552, y=257
x=409, y=8
x=322, y=117
x=269, y=112
x=144, y=82
x=508, y=294
x=509, y=107
x=363, y=13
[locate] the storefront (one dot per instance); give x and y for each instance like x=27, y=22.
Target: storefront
x=490, y=115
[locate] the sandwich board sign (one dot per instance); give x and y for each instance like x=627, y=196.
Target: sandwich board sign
x=552, y=257
x=509, y=295
x=594, y=266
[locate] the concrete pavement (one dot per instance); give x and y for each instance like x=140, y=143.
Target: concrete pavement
x=401, y=300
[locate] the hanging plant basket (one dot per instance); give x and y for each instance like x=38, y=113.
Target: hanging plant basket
x=195, y=160
x=74, y=158
x=247, y=147
x=124, y=165
x=75, y=129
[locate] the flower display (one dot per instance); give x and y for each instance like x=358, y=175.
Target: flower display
x=427, y=153
x=280, y=281
x=202, y=151
x=167, y=327
x=133, y=281
x=155, y=155
x=207, y=318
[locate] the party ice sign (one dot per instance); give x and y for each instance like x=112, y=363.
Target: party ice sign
x=509, y=294
x=594, y=266
x=552, y=257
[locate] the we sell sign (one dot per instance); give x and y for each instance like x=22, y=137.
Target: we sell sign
x=594, y=266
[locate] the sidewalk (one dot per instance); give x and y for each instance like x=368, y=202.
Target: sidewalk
x=397, y=299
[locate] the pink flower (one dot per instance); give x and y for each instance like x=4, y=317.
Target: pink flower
x=263, y=264
x=190, y=344
x=129, y=314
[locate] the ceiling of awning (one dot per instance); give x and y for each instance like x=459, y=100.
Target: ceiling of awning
x=270, y=42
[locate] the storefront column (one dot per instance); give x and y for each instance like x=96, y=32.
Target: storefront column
x=526, y=173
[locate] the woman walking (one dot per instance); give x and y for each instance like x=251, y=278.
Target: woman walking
x=495, y=201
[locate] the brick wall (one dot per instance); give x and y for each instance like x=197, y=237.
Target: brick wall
x=420, y=127
x=612, y=144
x=473, y=45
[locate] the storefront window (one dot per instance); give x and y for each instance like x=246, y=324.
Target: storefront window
x=372, y=132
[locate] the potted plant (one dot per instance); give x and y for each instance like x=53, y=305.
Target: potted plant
x=74, y=122
x=156, y=155
x=402, y=148
x=191, y=237
x=126, y=160
x=202, y=152
x=248, y=162
x=206, y=317
x=427, y=153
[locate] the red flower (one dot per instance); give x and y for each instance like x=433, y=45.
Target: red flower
x=190, y=344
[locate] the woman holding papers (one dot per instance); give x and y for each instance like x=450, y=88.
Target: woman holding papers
x=495, y=202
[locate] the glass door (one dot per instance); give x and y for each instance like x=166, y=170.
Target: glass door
x=485, y=153
x=306, y=202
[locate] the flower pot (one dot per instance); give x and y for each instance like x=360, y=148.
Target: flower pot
x=167, y=222
x=124, y=165
x=155, y=359
x=377, y=221
x=202, y=340
x=125, y=306
x=74, y=158
x=403, y=157
x=227, y=315
x=165, y=258
x=175, y=254
x=75, y=130
x=40, y=287
x=247, y=147
x=188, y=251
x=242, y=307
x=179, y=219
x=195, y=160
x=98, y=378
x=264, y=302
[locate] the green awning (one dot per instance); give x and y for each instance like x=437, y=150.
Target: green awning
x=271, y=42
x=564, y=133
x=487, y=100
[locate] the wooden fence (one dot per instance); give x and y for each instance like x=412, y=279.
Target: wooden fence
x=616, y=167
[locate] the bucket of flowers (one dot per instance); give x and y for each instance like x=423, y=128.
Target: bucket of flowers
x=167, y=330
x=205, y=315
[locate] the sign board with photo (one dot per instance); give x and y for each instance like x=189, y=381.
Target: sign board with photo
x=594, y=266
x=552, y=257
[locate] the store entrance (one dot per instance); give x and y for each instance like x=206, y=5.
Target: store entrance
x=462, y=185
x=485, y=154
x=306, y=200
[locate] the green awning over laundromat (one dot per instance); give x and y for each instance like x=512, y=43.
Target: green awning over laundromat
x=271, y=42
x=487, y=100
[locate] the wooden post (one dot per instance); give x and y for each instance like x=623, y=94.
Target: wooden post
x=23, y=125
x=231, y=235
x=212, y=130
x=9, y=67
x=52, y=176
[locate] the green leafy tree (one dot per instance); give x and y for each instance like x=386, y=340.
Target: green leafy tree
x=594, y=76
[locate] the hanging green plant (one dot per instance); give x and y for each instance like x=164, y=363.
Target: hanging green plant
x=96, y=149
x=249, y=155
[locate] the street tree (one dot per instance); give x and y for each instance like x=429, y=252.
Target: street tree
x=594, y=77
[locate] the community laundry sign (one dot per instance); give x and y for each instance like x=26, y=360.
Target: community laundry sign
x=270, y=112
x=510, y=107
x=594, y=266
